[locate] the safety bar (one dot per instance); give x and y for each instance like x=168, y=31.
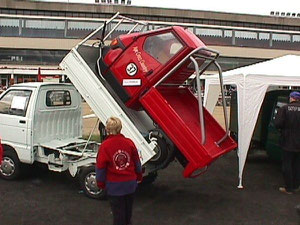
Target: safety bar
x=97, y=30
x=113, y=29
x=122, y=19
x=222, y=93
x=184, y=60
x=196, y=53
x=200, y=104
x=224, y=103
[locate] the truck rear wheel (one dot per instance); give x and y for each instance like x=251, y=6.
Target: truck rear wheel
x=10, y=167
x=88, y=183
x=161, y=151
x=164, y=152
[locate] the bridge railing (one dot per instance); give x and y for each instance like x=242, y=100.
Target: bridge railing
x=77, y=28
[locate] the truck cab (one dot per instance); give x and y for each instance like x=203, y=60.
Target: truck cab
x=134, y=63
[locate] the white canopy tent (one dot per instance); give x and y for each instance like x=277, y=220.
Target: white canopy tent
x=252, y=83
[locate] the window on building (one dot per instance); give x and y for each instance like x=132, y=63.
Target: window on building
x=264, y=36
x=296, y=38
x=281, y=37
x=32, y=57
x=228, y=33
x=15, y=102
x=209, y=32
x=82, y=25
x=45, y=24
x=9, y=22
x=246, y=34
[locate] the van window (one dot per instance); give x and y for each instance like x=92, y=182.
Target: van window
x=58, y=98
x=281, y=101
x=162, y=47
x=15, y=102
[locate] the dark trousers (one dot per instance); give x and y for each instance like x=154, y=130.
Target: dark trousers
x=121, y=207
x=291, y=169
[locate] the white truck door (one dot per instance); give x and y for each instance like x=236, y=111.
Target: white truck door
x=14, y=125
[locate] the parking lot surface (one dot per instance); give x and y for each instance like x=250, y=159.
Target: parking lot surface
x=48, y=198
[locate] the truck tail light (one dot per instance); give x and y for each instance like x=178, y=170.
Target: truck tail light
x=114, y=44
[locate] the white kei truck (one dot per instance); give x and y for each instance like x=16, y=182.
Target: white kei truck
x=42, y=122
x=140, y=77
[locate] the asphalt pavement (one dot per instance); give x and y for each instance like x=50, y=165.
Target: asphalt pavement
x=48, y=198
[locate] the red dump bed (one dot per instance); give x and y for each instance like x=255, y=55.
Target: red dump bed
x=135, y=65
x=176, y=111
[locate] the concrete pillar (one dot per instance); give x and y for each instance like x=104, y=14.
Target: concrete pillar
x=12, y=80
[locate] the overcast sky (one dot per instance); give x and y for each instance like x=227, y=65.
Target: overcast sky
x=262, y=7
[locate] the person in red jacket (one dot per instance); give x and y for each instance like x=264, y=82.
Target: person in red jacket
x=118, y=171
x=1, y=153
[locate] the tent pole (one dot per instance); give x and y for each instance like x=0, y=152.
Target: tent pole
x=240, y=186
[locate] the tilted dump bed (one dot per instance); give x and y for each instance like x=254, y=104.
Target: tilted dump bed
x=138, y=67
x=147, y=72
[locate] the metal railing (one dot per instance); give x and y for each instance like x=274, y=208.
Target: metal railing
x=69, y=27
x=202, y=53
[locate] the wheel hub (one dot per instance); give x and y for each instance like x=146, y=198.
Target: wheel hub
x=157, y=150
x=7, y=167
x=91, y=184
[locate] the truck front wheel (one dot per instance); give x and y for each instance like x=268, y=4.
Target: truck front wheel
x=88, y=183
x=10, y=167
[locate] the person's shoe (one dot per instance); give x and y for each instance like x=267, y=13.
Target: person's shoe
x=283, y=190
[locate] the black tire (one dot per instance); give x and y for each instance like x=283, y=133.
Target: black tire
x=10, y=167
x=161, y=151
x=149, y=179
x=88, y=183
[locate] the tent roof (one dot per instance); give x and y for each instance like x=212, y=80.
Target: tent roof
x=285, y=66
x=252, y=83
